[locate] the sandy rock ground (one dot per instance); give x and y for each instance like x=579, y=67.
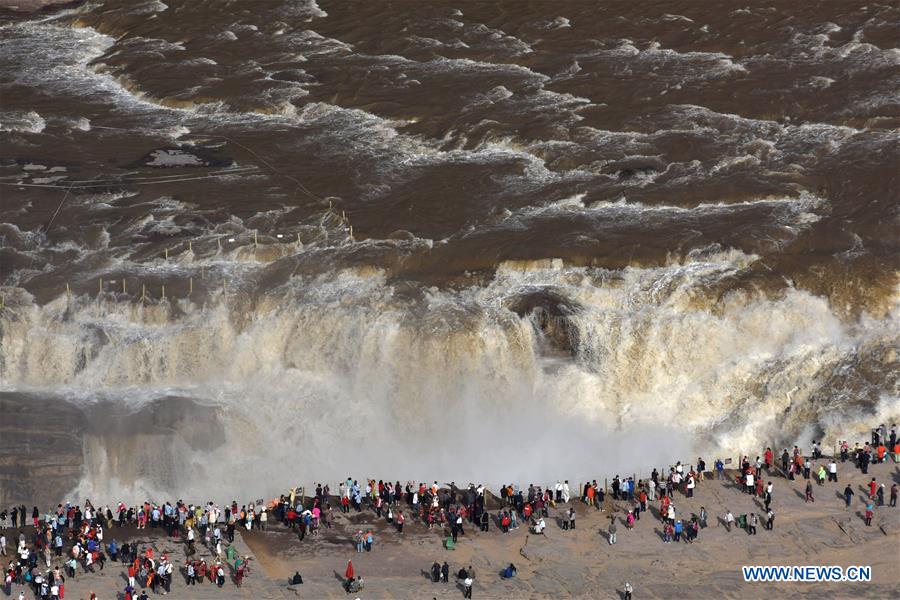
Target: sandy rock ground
x=578, y=563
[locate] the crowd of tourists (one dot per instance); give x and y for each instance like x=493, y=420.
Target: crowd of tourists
x=73, y=540
x=70, y=541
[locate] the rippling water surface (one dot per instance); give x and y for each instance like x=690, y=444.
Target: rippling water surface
x=449, y=238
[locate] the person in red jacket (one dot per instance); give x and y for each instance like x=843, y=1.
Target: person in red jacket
x=768, y=457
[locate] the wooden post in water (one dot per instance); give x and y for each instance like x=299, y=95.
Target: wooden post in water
x=124, y=289
x=68, y=291
x=190, y=286
x=163, y=295
x=143, y=292
x=190, y=247
x=351, y=233
x=167, y=254
x=255, y=240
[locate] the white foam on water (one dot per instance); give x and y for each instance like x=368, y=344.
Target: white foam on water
x=307, y=9
x=558, y=23
x=27, y=122
x=683, y=66
x=670, y=17
x=799, y=212
x=320, y=360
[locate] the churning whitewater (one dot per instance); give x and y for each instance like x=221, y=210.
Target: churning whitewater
x=236, y=236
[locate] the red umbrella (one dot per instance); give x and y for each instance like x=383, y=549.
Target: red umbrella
x=349, y=572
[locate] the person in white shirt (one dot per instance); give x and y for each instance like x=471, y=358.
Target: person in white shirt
x=729, y=520
x=832, y=471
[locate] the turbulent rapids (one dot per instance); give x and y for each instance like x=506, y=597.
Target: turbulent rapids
x=244, y=245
